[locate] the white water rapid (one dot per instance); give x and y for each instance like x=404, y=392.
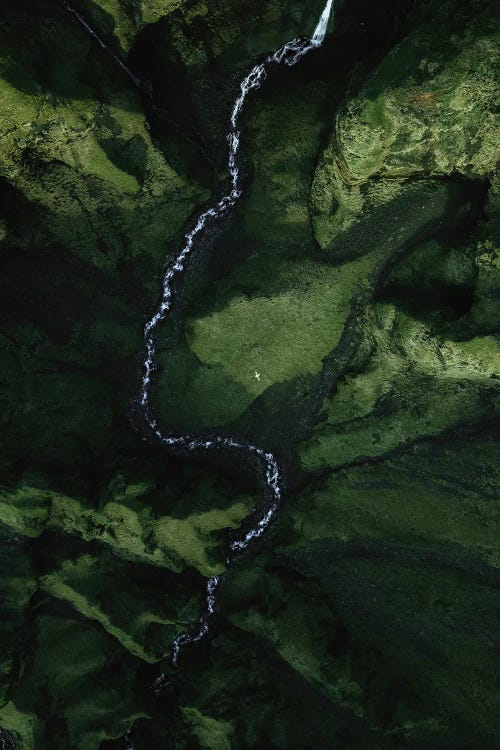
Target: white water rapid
x=6, y=740
x=289, y=54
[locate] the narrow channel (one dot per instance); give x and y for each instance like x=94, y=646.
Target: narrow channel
x=289, y=54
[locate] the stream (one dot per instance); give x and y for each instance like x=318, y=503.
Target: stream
x=289, y=54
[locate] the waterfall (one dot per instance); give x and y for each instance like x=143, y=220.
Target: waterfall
x=320, y=32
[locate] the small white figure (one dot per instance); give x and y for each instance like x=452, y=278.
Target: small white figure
x=257, y=375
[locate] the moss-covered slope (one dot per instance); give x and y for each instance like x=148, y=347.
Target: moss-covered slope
x=345, y=316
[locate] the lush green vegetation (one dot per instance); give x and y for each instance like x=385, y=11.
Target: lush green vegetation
x=359, y=277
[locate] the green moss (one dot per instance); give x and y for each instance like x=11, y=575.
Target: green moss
x=298, y=634
x=192, y=537
x=56, y=152
x=415, y=385
x=434, y=116
x=193, y=396
x=75, y=413
x=283, y=137
x=433, y=624
x=17, y=586
x=25, y=727
x=231, y=35
x=417, y=498
x=67, y=678
x=110, y=593
x=283, y=331
x=210, y=733
x=484, y=310
x=57, y=588
x=320, y=622
x=381, y=591
x=125, y=20
x=372, y=623
x=128, y=527
x=295, y=330
x=431, y=264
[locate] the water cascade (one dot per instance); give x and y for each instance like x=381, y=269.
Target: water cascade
x=320, y=31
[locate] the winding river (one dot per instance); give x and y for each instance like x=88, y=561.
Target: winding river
x=289, y=54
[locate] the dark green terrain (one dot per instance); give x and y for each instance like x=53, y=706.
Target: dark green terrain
x=359, y=275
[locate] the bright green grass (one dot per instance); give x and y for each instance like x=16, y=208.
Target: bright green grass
x=129, y=527
x=212, y=734
x=415, y=385
x=279, y=335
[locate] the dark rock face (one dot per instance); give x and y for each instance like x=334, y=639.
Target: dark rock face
x=358, y=277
